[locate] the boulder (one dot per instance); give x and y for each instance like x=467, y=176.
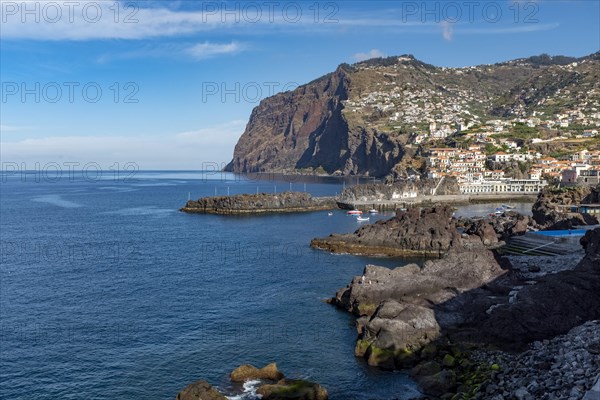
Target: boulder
x=200, y=390
x=546, y=211
x=291, y=389
x=485, y=231
x=437, y=384
x=398, y=305
x=248, y=372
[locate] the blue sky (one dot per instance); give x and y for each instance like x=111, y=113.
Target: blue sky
x=171, y=84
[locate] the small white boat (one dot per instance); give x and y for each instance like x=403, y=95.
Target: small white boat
x=373, y=211
x=506, y=206
x=354, y=212
x=499, y=211
x=330, y=213
x=361, y=219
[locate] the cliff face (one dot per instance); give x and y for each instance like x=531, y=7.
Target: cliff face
x=306, y=129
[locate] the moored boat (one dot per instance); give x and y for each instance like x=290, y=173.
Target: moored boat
x=354, y=212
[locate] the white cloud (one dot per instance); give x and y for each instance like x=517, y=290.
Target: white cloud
x=207, y=49
x=91, y=20
x=183, y=150
x=447, y=30
x=374, y=53
x=198, y=51
x=13, y=128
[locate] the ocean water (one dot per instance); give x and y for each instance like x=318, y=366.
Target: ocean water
x=107, y=291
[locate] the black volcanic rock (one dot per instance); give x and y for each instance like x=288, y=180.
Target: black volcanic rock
x=545, y=209
x=397, y=306
x=200, y=390
x=427, y=231
x=555, y=304
x=259, y=203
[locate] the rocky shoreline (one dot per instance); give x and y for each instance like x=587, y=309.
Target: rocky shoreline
x=469, y=323
x=438, y=319
x=261, y=203
x=565, y=367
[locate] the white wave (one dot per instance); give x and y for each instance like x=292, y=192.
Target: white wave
x=249, y=393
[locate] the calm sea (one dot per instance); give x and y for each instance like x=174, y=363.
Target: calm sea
x=107, y=291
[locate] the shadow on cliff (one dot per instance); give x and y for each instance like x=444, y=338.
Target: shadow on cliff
x=511, y=312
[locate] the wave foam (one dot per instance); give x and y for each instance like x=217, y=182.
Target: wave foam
x=249, y=393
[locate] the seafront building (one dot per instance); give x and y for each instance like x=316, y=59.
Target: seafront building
x=503, y=186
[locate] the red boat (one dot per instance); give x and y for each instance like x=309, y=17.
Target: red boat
x=354, y=212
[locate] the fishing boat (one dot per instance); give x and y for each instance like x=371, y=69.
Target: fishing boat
x=499, y=211
x=361, y=219
x=354, y=212
x=373, y=211
x=506, y=206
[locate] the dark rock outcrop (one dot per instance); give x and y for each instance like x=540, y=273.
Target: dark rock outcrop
x=498, y=228
x=469, y=297
x=427, y=231
x=273, y=386
x=290, y=389
x=248, y=372
x=259, y=204
x=546, y=211
x=396, y=307
x=200, y=390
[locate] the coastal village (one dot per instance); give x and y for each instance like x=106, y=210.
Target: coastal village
x=458, y=140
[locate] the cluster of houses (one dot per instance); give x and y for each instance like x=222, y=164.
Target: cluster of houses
x=583, y=168
x=468, y=166
x=434, y=113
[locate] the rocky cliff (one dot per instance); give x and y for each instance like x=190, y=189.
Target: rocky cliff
x=307, y=129
x=364, y=118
